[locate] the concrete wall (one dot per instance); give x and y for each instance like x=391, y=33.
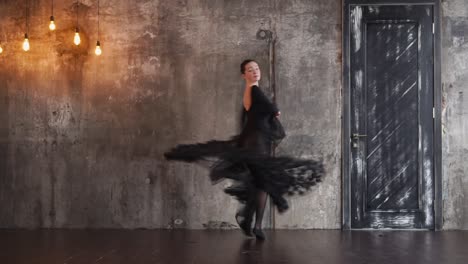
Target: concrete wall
x=455, y=113
x=308, y=91
x=82, y=137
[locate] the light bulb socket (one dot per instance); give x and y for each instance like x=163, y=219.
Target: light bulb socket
x=98, y=43
x=52, y=18
x=77, y=30
x=26, y=35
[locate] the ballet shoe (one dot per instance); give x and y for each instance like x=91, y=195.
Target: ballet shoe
x=259, y=234
x=244, y=226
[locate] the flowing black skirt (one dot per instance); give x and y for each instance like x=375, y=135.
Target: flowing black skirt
x=251, y=170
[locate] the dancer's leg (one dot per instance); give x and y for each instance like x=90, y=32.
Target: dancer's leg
x=259, y=211
x=260, y=208
x=245, y=215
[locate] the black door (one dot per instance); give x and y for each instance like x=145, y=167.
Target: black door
x=391, y=116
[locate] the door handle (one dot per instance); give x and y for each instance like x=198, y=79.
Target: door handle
x=357, y=136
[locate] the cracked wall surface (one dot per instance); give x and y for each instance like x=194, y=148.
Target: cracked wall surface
x=455, y=113
x=82, y=137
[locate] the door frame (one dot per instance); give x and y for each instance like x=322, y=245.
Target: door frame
x=346, y=107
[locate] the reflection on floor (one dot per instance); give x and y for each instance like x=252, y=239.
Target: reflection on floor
x=224, y=247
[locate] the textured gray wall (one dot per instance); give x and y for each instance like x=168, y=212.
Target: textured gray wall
x=455, y=113
x=309, y=82
x=82, y=137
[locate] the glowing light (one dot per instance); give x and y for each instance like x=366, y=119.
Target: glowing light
x=77, y=39
x=98, y=50
x=52, y=23
x=26, y=43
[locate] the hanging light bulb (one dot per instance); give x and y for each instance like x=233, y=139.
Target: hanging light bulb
x=26, y=42
x=98, y=50
x=77, y=39
x=52, y=23
x=1, y=49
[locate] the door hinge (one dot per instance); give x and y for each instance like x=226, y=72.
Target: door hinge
x=433, y=112
x=433, y=28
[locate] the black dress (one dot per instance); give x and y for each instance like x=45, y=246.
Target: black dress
x=246, y=158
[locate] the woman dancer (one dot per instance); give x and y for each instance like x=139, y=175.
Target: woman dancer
x=246, y=158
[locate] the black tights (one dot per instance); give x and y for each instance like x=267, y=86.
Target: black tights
x=256, y=205
x=260, y=208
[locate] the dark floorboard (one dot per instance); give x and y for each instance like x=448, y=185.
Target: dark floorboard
x=197, y=247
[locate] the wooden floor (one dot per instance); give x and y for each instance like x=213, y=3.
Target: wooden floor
x=196, y=247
